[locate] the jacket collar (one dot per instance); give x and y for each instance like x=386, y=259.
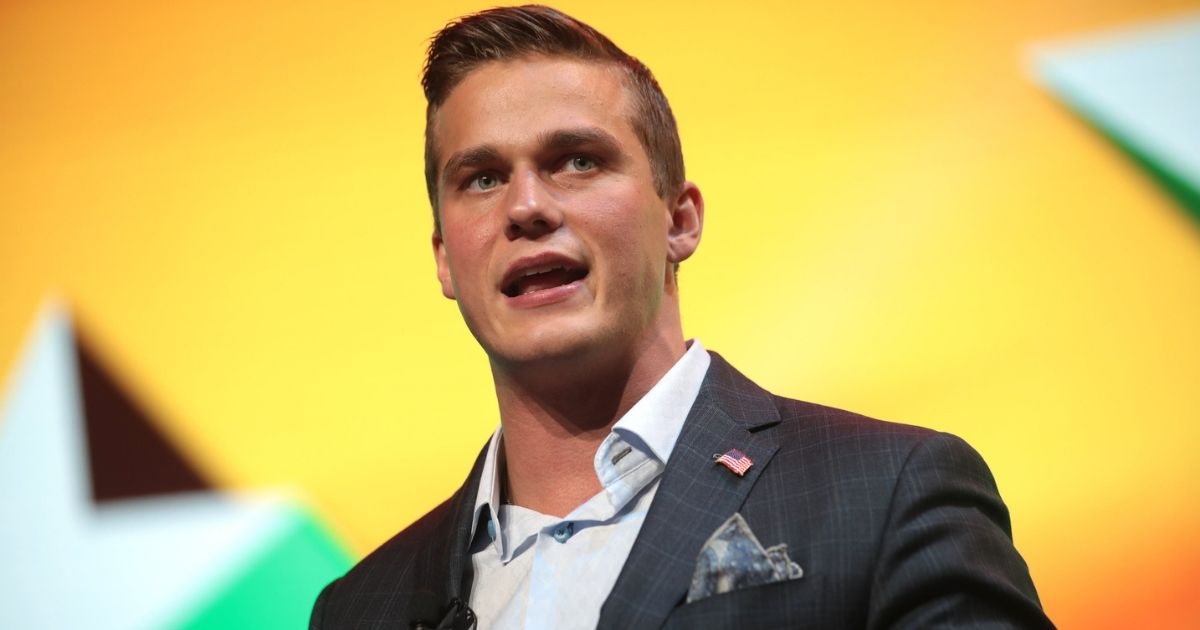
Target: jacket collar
x=695, y=496
x=447, y=557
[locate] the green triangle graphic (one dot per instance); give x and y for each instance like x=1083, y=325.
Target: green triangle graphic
x=276, y=588
x=1172, y=180
x=1139, y=87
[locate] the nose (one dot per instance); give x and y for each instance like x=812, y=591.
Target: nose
x=532, y=210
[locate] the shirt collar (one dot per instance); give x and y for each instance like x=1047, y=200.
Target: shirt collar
x=652, y=425
x=655, y=421
x=487, y=499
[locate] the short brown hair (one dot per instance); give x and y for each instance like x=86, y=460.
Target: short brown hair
x=512, y=32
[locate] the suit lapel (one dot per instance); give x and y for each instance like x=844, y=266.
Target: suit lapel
x=694, y=497
x=460, y=575
x=446, y=561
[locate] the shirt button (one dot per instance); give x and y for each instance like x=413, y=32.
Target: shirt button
x=491, y=529
x=564, y=531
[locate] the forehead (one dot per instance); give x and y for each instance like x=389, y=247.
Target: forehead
x=506, y=103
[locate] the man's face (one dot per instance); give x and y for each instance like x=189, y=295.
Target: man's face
x=553, y=240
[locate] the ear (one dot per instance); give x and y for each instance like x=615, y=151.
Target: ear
x=443, y=267
x=686, y=223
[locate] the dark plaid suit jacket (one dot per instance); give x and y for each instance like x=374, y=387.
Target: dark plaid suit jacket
x=893, y=525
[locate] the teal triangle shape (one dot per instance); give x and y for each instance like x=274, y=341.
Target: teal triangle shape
x=1139, y=87
x=276, y=586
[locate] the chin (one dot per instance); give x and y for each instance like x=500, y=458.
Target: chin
x=549, y=344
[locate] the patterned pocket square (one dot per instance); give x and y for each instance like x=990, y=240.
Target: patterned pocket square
x=732, y=558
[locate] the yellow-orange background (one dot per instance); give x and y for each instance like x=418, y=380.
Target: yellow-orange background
x=229, y=196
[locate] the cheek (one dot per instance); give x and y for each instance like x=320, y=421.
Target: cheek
x=467, y=247
x=630, y=235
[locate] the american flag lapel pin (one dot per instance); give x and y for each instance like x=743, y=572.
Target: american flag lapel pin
x=735, y=460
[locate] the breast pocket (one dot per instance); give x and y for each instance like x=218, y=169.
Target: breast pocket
x=788, y=604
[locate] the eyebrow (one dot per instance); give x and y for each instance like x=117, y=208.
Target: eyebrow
x=557, y=140
x=580, y=136
x=468, y=158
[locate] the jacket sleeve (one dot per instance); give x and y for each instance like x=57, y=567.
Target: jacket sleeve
x=947, y=556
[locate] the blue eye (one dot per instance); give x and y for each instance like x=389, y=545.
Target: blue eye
x=484, y=181
x=581, y=163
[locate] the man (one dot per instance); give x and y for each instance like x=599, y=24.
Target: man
x=638, y=481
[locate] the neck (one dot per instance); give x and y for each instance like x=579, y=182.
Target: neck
x=556, y=414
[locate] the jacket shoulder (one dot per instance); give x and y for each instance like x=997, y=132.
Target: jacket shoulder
x=404, y=548
x=402, y=580
x=847, y=452
x=890, y=515
x=800, y=424
x=822, y=450
x=410, y=577
x=821, y=425
x=398, y=581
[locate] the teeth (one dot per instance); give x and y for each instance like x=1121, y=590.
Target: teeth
x=543, y=269
x=513, y=288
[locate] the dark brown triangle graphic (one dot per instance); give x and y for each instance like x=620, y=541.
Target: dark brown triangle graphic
x=127, y=455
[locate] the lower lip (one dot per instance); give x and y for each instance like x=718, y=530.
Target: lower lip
x=545, y=297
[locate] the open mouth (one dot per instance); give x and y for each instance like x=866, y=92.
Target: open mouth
x=542, y=278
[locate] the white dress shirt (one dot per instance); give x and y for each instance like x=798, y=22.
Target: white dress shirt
x=538, y=571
